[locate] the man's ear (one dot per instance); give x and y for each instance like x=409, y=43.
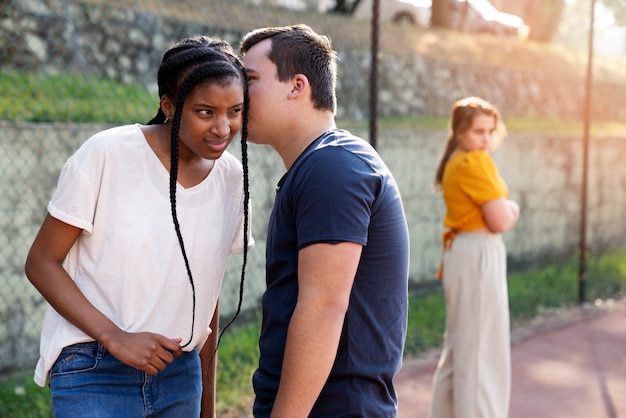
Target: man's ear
x=167, y=106
x=299, y=84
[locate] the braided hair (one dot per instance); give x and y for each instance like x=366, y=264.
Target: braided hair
x=185, y=65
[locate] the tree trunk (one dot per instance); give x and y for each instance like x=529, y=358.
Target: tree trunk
x=543, y=16
x=440, y=17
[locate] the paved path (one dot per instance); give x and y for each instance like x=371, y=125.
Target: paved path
x=568, y=365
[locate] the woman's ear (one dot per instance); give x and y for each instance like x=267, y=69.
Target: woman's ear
x=167, y=106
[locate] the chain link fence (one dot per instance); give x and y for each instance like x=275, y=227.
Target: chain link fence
x=124, y=41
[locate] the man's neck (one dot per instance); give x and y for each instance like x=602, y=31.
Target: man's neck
x=307, y=134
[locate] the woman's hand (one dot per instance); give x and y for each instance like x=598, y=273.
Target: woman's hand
x=44, y=268
x=500, y=214
x=514, y=208
x=145, y=351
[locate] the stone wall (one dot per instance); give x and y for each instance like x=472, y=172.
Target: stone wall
x=126, y=44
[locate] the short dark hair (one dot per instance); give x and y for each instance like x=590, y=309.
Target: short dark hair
x=298, y=49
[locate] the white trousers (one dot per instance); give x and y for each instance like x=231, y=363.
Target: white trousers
x=473, y=377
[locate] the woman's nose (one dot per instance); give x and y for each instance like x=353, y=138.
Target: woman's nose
x=221, y=127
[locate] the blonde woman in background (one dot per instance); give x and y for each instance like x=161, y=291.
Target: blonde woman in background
x=473, y=377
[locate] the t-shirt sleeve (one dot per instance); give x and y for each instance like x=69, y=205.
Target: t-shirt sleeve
x=237, y=246
x=479, y=178
x=334, y=198
x=74, y=199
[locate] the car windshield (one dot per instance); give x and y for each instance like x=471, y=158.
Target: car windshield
x=417, y=3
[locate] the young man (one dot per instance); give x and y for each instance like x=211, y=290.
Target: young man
x=335, y=308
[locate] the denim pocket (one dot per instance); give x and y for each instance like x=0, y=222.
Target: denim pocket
x=75, y=359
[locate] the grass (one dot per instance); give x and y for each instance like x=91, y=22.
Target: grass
x=20, y=397
x=34, y=97
x=237, y=358
x=531, y=293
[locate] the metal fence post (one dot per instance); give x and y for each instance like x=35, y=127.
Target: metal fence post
x=582, y=272
x=374, y=74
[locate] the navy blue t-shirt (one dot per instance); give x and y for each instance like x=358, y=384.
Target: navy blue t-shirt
x=340, y=190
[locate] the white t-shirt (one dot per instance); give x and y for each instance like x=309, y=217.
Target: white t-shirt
x=128, y=261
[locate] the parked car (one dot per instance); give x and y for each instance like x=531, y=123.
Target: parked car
x=407, y=12
x=475, y=16
x=480, y=16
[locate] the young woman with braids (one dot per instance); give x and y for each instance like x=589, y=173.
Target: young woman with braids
x=132, y=252
x=473, y=377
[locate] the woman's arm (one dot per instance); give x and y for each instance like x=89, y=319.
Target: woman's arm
x=209, y=365
x=44, y=268
x=500, y=214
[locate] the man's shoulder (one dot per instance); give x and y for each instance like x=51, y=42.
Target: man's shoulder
x=340, y=142
x=343, y=137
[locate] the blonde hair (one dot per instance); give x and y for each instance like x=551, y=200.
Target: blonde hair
x=463, y=113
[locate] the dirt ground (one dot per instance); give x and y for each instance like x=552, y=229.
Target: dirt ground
x=570, y=363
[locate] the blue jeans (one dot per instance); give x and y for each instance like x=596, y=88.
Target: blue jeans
x=87, y=381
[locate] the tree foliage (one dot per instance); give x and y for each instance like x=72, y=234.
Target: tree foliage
x=618, y=7
x=608, y=26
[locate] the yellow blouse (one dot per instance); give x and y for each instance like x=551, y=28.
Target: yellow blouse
x=470, y=179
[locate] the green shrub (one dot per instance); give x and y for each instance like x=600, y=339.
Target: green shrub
x=20, y=397
x=33, y=97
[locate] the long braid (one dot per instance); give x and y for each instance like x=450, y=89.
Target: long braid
x=173, y=182
x=198, y=74
x=183, y=67
x=246, y=202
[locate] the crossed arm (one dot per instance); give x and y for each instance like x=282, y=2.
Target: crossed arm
x=500, y=214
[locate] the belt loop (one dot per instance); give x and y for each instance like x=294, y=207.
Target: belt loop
x=101, y=351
